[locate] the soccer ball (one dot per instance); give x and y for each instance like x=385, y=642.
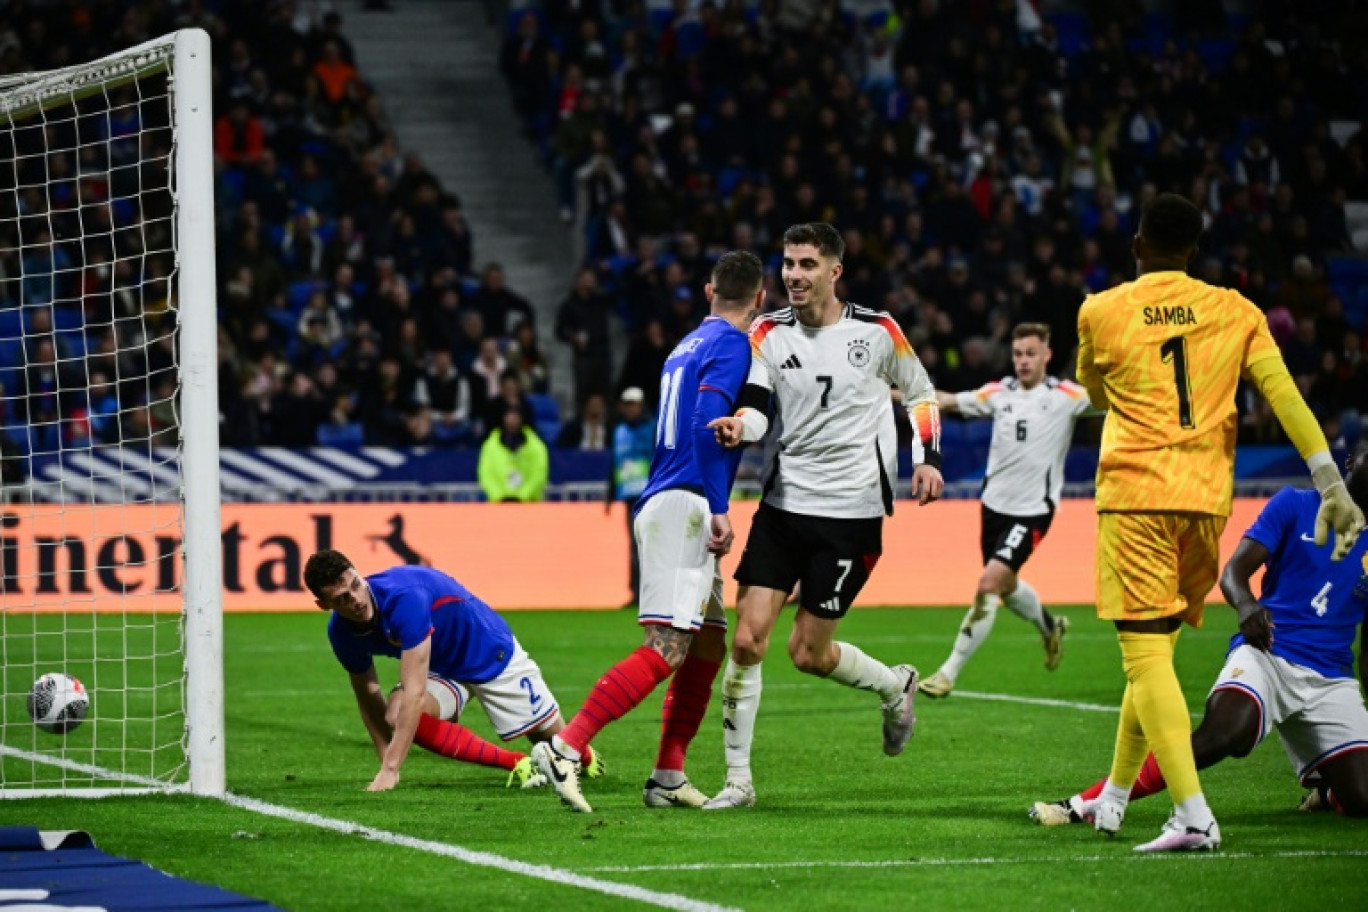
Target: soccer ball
x=58, y=703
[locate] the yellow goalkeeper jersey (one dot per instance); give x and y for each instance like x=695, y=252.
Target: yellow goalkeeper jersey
x=1169, y=352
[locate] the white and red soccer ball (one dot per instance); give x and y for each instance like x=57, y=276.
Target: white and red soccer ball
x=57, y=703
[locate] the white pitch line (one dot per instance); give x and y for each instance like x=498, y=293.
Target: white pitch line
x=954, y=862
x=1036, y=701
x=1044, y=701
x=446, y=850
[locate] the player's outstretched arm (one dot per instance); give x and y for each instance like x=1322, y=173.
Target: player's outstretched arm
x=371, y=702
x=1255, y=622
x=1337, y=510
x=413, y=672
x=948, y=402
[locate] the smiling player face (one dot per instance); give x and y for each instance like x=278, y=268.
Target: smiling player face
x=349, y=597
x=809, y=277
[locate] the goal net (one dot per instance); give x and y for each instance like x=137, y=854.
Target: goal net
x=109, y=517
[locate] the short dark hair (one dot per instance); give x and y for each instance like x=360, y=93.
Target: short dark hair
x=1171, y=224
x=325, y=569
x=821, y=235
x=1023, y=330
x=737, y=276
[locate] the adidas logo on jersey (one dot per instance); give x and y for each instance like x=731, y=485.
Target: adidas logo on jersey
x=791, y=364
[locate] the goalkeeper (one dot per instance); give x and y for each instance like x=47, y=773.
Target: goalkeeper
x=451, y=647
x=1290, y=667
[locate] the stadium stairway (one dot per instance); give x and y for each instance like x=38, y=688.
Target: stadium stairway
x=435, y=64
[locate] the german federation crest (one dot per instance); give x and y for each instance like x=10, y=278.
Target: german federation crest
x=858, y=353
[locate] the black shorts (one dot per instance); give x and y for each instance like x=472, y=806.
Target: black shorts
x=831, y=558
x=1012, y=539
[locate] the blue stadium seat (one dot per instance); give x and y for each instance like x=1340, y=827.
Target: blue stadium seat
x=67, y=318
x=548, y=431
x=978, y=433
x=299, y=292
x=341, y=435
x=544, y=408
x=11, y=323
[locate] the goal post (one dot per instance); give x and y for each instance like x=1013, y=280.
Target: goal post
x=110, y=554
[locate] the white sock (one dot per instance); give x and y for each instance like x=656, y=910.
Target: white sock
x=977, y=624
x=1194, y=812
x=668, y=778
x=1115, y=794
x=741, y=685
x=1025, y=602
x=856, y=669
x=564, y=749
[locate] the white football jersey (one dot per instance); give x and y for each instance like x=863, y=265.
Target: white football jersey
x=831, y=447
x=1031, y=433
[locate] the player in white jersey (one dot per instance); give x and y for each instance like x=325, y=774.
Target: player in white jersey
x=1033, y=420
x=828, y=483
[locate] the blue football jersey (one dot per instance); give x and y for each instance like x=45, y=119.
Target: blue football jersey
x=1317, y=604
x=701, y=381
x=470, y=642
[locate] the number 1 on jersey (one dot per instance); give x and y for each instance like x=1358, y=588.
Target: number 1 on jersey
x=1175, y=350
x=667, y=431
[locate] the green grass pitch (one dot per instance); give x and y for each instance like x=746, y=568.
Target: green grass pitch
x=941, y=827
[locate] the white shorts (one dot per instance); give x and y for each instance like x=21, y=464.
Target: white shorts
x=681, y=583
x=1317, y=718
x=516, y=702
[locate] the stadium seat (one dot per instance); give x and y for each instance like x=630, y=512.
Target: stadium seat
x=341, y=435
x=978, y=433
x=544, y=408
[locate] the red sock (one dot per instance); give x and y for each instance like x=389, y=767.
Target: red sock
x=460, y=743
x=617, y=693
x=1149, y=781
x=686, y=702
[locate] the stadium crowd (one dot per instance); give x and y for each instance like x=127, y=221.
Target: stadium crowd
x=985, y=165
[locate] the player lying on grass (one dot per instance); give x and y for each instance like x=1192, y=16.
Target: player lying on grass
x=1033, y=420
x=681, y=528
x=451, y=647
x=1289, y=668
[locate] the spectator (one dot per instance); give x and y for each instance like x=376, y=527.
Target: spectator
x=238, y=136
x=582, y=323
x=445, y=394
x=514, y=464
x=634, y=439
x=501, y=309
x=508, y=394
x=525, y=356
x=589, y=429
x=488, y=368
x=645, y=360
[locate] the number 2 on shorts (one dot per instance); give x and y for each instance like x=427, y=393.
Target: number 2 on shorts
x=532, y=696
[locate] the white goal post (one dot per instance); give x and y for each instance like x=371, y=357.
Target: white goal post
x=108, y=350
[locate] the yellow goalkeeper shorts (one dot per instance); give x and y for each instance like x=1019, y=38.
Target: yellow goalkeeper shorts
x=1156, y=565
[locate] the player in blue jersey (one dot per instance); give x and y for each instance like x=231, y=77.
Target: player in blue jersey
x=681, y=529
x=451, y=647
x=1291, y=666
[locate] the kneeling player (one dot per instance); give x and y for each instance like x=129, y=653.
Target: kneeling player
x=451, y=646
x=1290, y=667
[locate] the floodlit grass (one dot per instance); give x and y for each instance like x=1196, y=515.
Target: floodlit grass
x=945, y=822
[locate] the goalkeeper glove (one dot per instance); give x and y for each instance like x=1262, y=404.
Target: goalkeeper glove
x=1337, y=511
